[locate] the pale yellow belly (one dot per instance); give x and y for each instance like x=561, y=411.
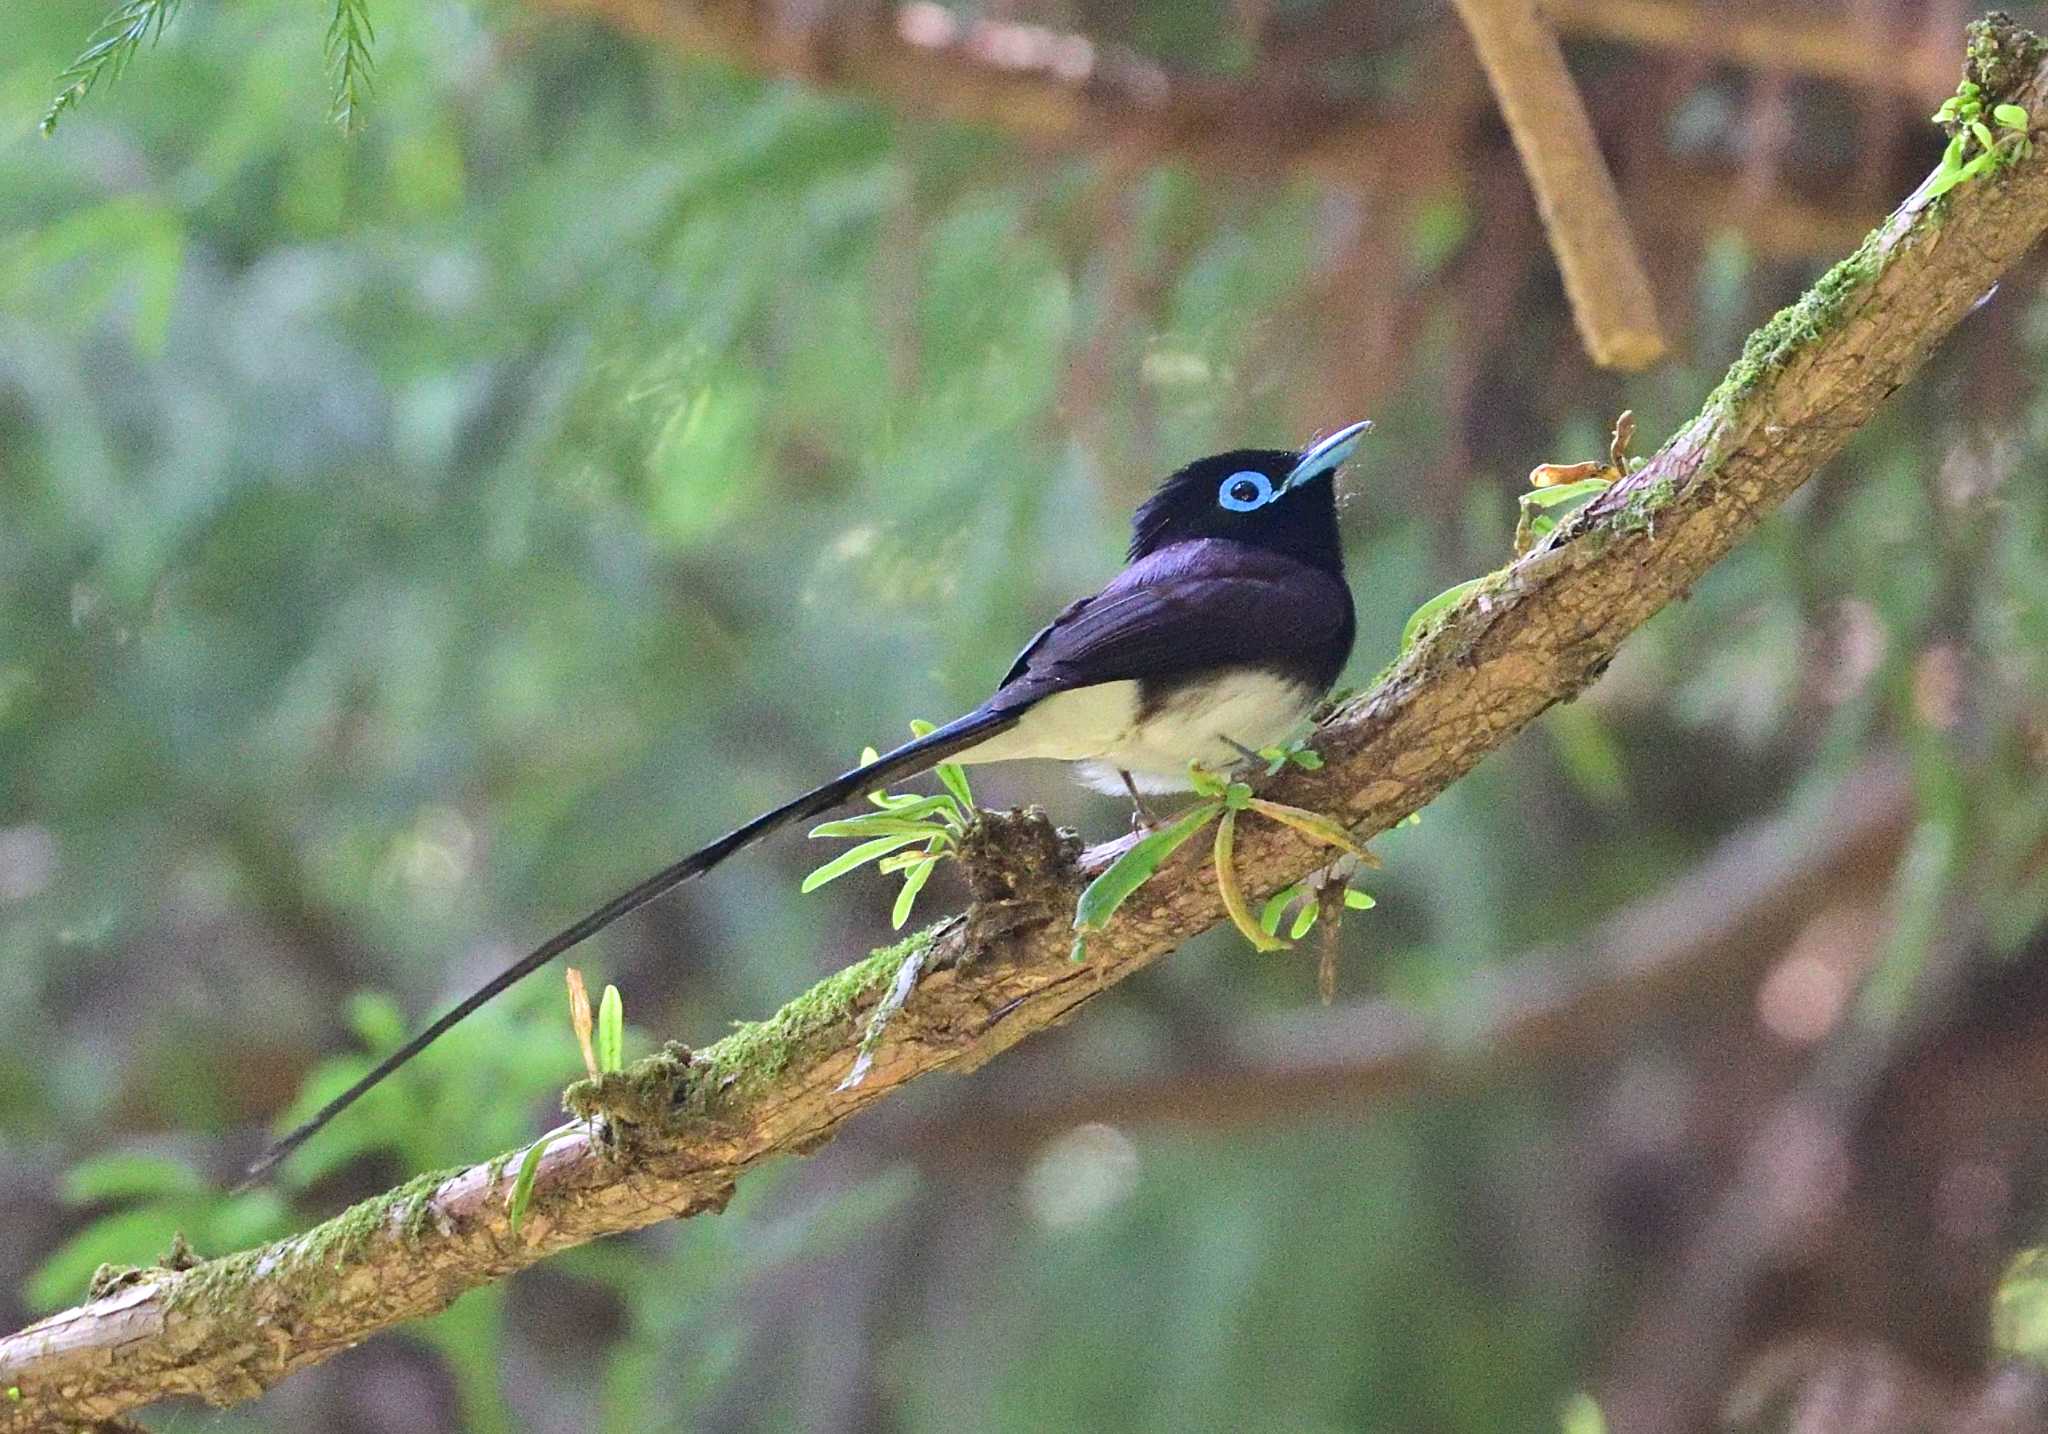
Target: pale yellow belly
x=1099, y=726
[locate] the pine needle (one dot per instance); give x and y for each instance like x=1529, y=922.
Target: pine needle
x=349, y=37
x=107, y=54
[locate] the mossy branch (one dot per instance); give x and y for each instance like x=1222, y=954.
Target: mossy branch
x=671, y=1136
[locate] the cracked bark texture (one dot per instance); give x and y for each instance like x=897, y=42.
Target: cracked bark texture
x=1536, y=633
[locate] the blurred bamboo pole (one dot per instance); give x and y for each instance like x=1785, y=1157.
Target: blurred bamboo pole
x=1582, y=214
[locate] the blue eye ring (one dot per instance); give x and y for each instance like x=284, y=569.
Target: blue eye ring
x=1245, y=490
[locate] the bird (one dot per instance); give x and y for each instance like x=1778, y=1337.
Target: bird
x=1230, y=620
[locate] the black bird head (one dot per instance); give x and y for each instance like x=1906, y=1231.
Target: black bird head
x=1267, y=497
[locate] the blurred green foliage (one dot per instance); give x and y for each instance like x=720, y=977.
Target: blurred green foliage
x=407, y=541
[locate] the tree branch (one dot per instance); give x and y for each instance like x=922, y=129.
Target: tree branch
x=678, y=1130
x=1027, y=81
x=1703, y=940
x=1603, y=276
x=1816, y=43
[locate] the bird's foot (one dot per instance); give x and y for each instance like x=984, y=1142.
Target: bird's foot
x=1248, y=753
x=1143, y=818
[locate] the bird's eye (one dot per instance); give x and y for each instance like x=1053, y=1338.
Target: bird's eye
x=1242, y=492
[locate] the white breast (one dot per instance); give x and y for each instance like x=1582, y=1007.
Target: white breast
x=1099, y=726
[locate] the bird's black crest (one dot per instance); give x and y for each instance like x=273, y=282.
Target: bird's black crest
x=1301, y=522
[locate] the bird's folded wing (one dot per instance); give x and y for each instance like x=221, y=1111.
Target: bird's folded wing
x=1185, y=618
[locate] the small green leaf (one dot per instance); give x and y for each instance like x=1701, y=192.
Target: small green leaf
x=1205, y=782
x=349, y=37
x=857, y=856
x=1237, y=796
x=1276, y=907
x=128, y=1177
x=1315, y=825
x=1079, y=953
x=878, y=824
x=611, y=1031
x=1943, y=181
x=1544, y=508
x=954, y=776
x=1566, y=495
x=1304, y=920
x=1135, y=867
x=913, y=882
x=2010, y=116
x=522, y=1186
x=1232, y=894
x=1358, y=900
x=917, y=809
x=1983, y=133
x=1442, y=602
x=1297, y=752
x=112, y=45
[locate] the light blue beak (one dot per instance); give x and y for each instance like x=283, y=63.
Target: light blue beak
x=1324, y=456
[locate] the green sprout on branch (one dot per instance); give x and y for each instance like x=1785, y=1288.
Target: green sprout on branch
x=1973, y=147
x=930, y=827
x=1297, y=753
x=1301, y=896
x=1223, y=801
x=605, y=1055
x=1556, y=491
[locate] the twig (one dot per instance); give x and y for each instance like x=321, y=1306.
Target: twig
x=1812, y=41
x=1226, y=125
x=1603, y=275
x=680, y=1129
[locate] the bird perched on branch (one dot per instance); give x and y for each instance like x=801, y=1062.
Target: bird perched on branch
x=1228, y=623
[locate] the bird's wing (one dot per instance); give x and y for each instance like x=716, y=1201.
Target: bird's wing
x=1065, y=614
x=1191, y=612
